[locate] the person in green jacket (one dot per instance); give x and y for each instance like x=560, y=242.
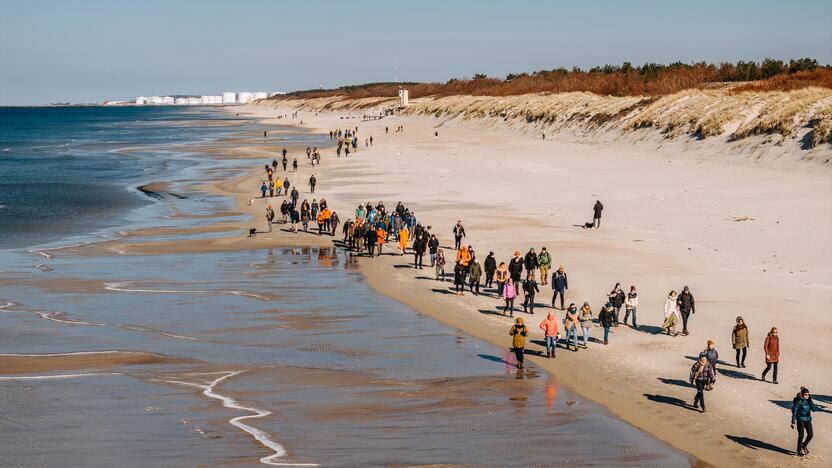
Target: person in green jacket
x=739, y=339
x=544, y=260
x=474, y=275
x=519, y=332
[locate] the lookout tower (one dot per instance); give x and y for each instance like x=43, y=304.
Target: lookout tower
x=403, y=98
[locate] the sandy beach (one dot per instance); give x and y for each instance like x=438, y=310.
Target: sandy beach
x=749, y=240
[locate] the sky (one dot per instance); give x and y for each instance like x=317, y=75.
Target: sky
x=90, y=51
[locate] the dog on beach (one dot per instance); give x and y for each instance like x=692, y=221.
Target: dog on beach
x=589, y=225
x=250, y=202
x=252, y=232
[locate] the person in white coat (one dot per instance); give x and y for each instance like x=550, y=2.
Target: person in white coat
x=671, y=315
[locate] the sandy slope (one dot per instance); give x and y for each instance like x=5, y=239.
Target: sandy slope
x=668, y=222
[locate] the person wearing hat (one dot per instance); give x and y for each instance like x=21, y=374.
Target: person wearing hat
x=515, y=267
x=459, y=233
x=544, y=261
x=530, y=261
x=269, y=217
x=570, y=325
x=606, y=318
x=670, y=318
x=550, y=334
x=560, y=284
x=585, y=318
x=739, y=339
x=631, y=306
x=529, y=289
x=518, y=333
x=686, y=307
x=490, y=266
x=702, y=375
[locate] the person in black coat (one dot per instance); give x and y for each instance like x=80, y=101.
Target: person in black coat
x=686, y=307
x=420, y=246
x=490, y=266
x=596, y=216
x=530, y=261
x=515, y=267
x=529, y=288
x=560, y=283
x=459, y=233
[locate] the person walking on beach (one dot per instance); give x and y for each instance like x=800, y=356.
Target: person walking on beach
x=617, y=298
x=550, y=334
x=596, y=216
x=380, y=236
x=333, y=225
x=459, y=233
x=631, y=306
x=802, y=408
x=544, y=261
x=263, y=189
x=271, y=189
x=403, y=234
x=560, y=283
x=294, y=217
x=771, y=346
x=440, y=265
x=490, y=266
x=274, y=165
x=530, y=261
x=463, y=256
x=295, y=195
x=459, y=279
x=509, y=293
x=519, y=332
x=474, y=275
x=711, y=354
x=670, y=317
x=570, y=326
x=703, y=377
x=585, y=319
x=286, y=185
x=529, y=289
x=607, y=318
x=433, y=247
x=515, y=267
x=269, y=217
x=501, y=276
x=420, y=246
x=739, y=339
x=686, y=307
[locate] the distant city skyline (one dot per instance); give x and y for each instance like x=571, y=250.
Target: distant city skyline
x=91, y=51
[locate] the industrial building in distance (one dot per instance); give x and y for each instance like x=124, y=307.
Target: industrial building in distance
x=226, y=98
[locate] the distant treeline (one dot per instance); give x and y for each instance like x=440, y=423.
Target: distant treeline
x=650, y=79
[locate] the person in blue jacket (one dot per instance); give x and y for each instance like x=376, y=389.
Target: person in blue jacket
x=802, y=407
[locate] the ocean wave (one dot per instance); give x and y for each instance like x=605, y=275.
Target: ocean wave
x=260, y=436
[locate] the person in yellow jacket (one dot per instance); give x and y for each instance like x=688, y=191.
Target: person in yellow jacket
x=518, y=334
x=403, y=235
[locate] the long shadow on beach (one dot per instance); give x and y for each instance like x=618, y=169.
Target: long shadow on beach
x=758, y=444
x=651, y=329
x=677, y=382
x=787, y=404
x=669, y=401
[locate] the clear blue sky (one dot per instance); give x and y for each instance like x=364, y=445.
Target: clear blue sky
x=96, y=50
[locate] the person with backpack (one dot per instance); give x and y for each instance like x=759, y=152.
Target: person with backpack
x=739, y=340
x=515, y=267
x=529, y=289
x=607, y=318
x=703, y=377
x=560, y=283
x=544, y=261
x=711, y=354
x=550, y=334
x=771, y=346
x=631, y=306
x=519, y=332
x=686, y=307
x=802, y=408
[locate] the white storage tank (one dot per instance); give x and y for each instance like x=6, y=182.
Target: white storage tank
x=141, y=100
x=229, y=98
x=245, y=97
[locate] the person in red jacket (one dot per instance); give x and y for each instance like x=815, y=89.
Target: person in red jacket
x=550, y=332
x=772, y=349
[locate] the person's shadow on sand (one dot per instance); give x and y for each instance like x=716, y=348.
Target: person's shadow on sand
x=668, y=400
x=755, y=444
x=677, y=382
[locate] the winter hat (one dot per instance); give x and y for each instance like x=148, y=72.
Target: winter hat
x=519, y=321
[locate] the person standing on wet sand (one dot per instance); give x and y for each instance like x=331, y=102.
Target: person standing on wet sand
x=550, y=334
x=739, y=340
x=490, y=266
x=570, y=325
x=509, y=293
x=459, y=233
x=802, y=408
x=519, y=332
x=544, y=261
x=333, y=225
x=686, y=307
x=560, y=284
x=269, y=217
x=771, y=346
x=596, y=216
x=530, y=289
x=703, y=377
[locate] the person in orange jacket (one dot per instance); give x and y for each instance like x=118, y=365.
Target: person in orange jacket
x=381, y=234
x=550, y=333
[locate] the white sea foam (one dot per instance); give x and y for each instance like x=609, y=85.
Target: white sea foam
x=120, y=287
x=79, y=353
x=51, y=316
x=262, y=437
x=53, y=377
